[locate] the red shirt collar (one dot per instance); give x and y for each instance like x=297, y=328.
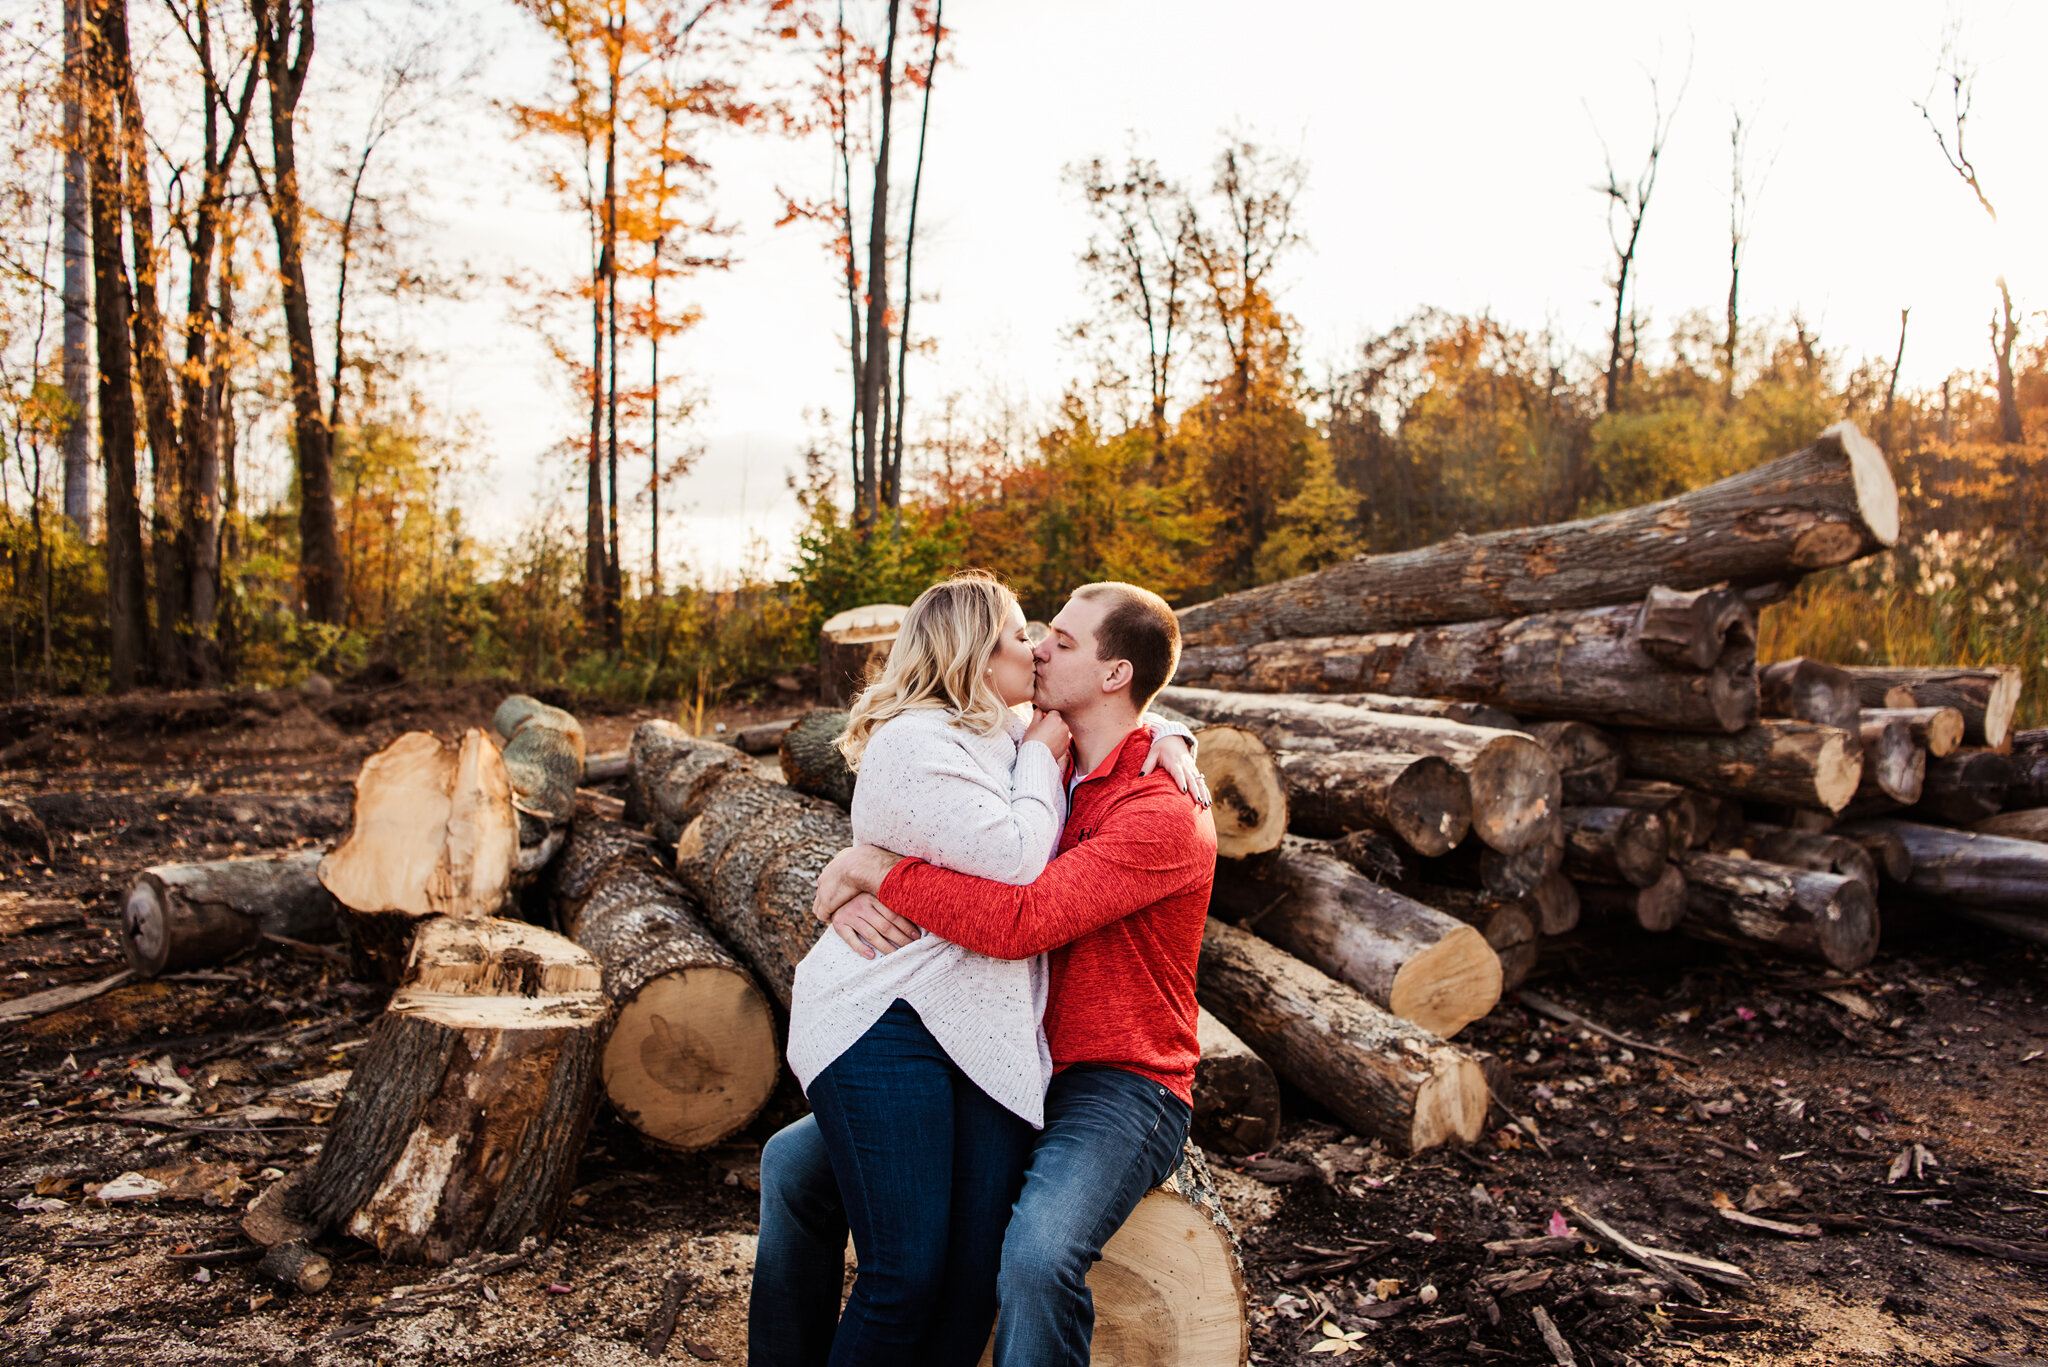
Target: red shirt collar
x=1113, y=758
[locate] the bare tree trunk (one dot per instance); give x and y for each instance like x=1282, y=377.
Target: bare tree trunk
x=613, y=577
x=2002, y=340
x=853, y=330
x=892, y=491
x=874, y=374
x=77, y=279
x=595, y=573
x=1891, y=388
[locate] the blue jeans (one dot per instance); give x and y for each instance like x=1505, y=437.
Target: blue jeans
x=927, y=1166
x=1109, y=1136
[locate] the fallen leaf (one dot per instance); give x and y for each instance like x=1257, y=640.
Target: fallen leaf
x=1386, y=1288
x=1901, y=1165
x=1558, y=1228
x=1767, y=1195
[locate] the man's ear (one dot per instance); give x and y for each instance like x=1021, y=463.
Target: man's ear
x=1118, y=677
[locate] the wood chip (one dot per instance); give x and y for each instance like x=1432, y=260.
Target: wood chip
x=1747, y=1220
x=1560, y=1351
x=1543, y=1006
x=58, y=998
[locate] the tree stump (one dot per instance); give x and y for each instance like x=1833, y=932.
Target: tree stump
x=179, y=916
x=852, y=646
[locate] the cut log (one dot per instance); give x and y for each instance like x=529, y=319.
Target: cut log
x=1964, y=869
x=2032, y=742
x=1828, y=504
x=671, y=771
x=1379, y=1074
x=1808, y=690
x=1170, y=1285
x=1689, y=815
x=811, y=762
x=1894, y=862
x=544, y=758
x=1555, y=901
x=1516, y=791
x=1585, y=664
x=1893, y=766
x=1470, y=713
x=1964, y=787
x=609, y=767
x=1237, y=1098
x=1821, y=853
x=764, y=739
x=1794, y=762
x=1503, y=922
x=1247, y=795
x=1416, y=962
x=1658, y=907
x=2028, y=824
x=1615, y=845
x=1590, y=761
x=1373, y=854
x=1421, y=799
x=853, y=645
x=180, y=916
x=1937, y=730
x=297, y=1267
x=692, y=1056
x=466, y=1112
x=1517, y=875
x=1754, y=904
x=2029, y=785
x=1692, y=627
x=1986, y=697
x=751, y=854
x=434, y=834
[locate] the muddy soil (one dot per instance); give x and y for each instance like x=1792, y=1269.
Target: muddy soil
x=1889, y=1125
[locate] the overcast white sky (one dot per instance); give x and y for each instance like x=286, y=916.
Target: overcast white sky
x=1451, y=150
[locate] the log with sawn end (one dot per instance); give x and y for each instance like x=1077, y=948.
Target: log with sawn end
x=1689, y=815
x=1937, y=730
x=1172, y=1275
x=188, y=915
x=1422, y=799
x=1509, y=925
x=1822, y=853
x=1987, y=697
x=671, y=771
x=1237, y=1099
x=544, y=753
x=1658, y=907
x=1967, y=870
x=1590, y=761
x=1615, y=845
x=1964, y=787
x=1808, y=690
x=1755, y=904
x=1894, y=768
x=1796, y=763
x=811, y=762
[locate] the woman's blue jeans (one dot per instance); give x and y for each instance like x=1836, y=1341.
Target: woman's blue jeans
x=927, y=1167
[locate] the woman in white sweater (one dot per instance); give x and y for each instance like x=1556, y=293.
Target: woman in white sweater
x=927, y=1067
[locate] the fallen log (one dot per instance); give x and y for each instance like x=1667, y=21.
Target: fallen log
x=1589, y=761
x=1471, y=713
x=1986, y=697
x=1237, y=1098
x=2028, y=824
x=1753, y=904
x=1887, y=852
x=692, y=1057
x=671, y=771
x=179, y=916
x=811, y=762
x=433, y=833
x=1418, y=963
x=764, y=738
x=1658, y=907
x=1825, y=505
x=1963, y=869
x=1894, y=768
x=852, y=645
x=1515, y=787
x=1170, y=1279
x=466, y=1112
x=1808, y=690
x=297, y=1267
x=1937, y=730
x=1964, y=787
x=1689, y=816
x=1792, y=762
x=1586, y=664
x=1379, y=1074
x=1421, y=799
x=1828, y=853
x=1615, y=845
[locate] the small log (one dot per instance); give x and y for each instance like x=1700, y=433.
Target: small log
x=1827, y=504
x=1372, y=854
x=1475, y=865
x=1688, y=815
x=764, y=738
x=2029, y=785
x=1888, y=853
x=852, y=646
x=296, y=1267
x=544, y=751
x=1753, y=904
x=1965, y=787
x=1171, y=1275
x=1615, y=844
x=1416, y=962
x=1590, y=761
x=1691, y=627
x=1508, y=926
x=1248, y=796
x=671, y=771
x=1237, y=1098
x=1377, y=1073
x=1658, y=907
x=466, y=1112
x=609, y=767
x=1794, y=762
x=434, y=833
x=179, y=916
x=1586, y=663
x=1963, y=869
x=1555, y=902
x=692, y=1057
x=1800, y=850
x=1894, y=767
x=1421, y=799
x=1986, y=697
x=1808, y=690
x=1937, y=730
x=1516, y=791
x=811, y=762
x=2028, y=824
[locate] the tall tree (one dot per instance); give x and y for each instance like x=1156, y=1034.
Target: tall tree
x=1628, y=203
x=1741, y=191
x=1142, y=261
x=892, y=475
x=77, y=278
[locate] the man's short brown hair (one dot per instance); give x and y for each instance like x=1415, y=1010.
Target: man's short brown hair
x=1138, y=627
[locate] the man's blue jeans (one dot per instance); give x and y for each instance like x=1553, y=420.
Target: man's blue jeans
x=1109, y=1136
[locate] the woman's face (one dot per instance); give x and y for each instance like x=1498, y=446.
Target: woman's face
x=1012, y=669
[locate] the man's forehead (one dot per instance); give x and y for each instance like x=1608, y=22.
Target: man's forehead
x=1078, y=618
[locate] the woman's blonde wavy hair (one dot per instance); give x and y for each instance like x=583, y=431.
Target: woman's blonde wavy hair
x=940, y=659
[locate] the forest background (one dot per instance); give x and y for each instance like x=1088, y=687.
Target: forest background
x=223, y=463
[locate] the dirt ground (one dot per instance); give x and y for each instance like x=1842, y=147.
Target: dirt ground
x=1887, y=1122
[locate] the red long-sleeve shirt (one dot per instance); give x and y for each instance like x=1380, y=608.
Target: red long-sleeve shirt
x=1120, y=908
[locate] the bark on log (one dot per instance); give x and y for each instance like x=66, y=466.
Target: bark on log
x=1589, y=760
x=1418, y=963
x=544, y=750
x=1937, y=730
x=465, y=1115
x=1965, y=869
x=1658, y=907
x=1585, y=664
x=1894, y=768
x=1517, y=875
x=1373, y=854
x=764, y=739
x=1827, y=504
x=751, y=854
x=671, y=772
x=1793, y=762
x=1689, y=815
x=297, y=1267
x=1421, y=799
x=692, y=1056
x=2029, y=785
x=1808, y=690
x=1170, y=1284
x=1754, y=904
x=2028, y=824
x=1237, y=1098
x=853, y=645
x=1615, y=845
x=811, y=762
x=1986, y=697
x=1555, y=901
x=1964, y=788
x=1691, y=627
x=434, y=834
x=180, y=916
x=1377, y=1073
x=1821, y=853
x=1470, y=713
x=1889, y=853
x=1515, y=787
x=609, y=767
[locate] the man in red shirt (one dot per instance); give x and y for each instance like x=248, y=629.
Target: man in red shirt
x=1119, y=912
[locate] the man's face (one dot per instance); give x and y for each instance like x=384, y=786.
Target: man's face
x=1069, y=674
